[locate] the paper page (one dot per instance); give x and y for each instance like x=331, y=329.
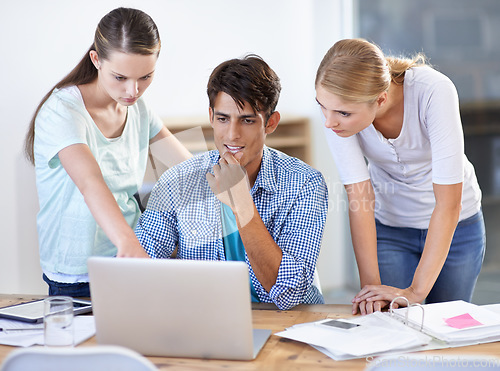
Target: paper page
x=374, y=335
x=495, y=308
x=437, y=313
x=345, y=357
x=84, y=328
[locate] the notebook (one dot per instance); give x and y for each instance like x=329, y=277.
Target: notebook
x=175, y=308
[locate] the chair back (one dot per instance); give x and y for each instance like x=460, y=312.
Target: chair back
x=316, y=281
x=92, y=358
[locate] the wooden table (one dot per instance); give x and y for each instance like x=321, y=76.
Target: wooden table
x=278, y=353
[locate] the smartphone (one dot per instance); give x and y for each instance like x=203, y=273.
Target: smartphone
x=340, y=324
x=32, y=311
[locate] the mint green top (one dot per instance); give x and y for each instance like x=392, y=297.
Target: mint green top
x=67, y=232
x=233, y=245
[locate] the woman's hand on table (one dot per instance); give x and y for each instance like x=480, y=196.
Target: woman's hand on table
x=376, y=297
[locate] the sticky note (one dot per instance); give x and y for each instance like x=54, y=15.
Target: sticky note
x=462, y=321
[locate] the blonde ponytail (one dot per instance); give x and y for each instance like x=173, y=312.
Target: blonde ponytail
x=358, y=71
x=399, y=65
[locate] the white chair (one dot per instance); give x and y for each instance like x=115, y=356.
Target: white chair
x=316, y=281
x=92, y=358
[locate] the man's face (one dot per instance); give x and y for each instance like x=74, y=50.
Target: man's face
x=239, y=131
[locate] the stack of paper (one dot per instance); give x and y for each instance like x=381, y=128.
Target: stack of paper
x=455, y=322
x=448, y=324
x=376, y=334
x=16, y=333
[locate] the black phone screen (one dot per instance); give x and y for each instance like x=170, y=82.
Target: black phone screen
x=339, y=324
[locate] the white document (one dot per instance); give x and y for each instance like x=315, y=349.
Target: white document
x=377, y=334
x=384, y=334
x=32, y=334
x=495, y=308
x=435, y=325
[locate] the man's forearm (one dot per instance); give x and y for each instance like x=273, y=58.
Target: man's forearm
x=263, y=252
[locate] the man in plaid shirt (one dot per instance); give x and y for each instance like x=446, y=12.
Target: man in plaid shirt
x=243, y=201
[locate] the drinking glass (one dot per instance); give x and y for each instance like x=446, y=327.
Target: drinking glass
x=58, y=321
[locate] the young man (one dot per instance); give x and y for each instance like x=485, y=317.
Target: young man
x=243, y=201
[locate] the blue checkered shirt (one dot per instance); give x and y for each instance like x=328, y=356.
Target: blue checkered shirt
x=290, y=196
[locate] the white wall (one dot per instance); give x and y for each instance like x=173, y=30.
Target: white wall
x=42, y=40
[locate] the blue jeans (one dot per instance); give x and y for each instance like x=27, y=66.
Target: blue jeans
x=75, y=290
x=399, y=251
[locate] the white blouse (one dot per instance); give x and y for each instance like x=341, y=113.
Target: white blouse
x=429, y=149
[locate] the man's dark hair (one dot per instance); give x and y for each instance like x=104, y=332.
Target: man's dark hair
x=250, y=80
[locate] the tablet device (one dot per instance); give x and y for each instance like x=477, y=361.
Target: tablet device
x=33, y=311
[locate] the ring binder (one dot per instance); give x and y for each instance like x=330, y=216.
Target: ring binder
x=408, y=306
x=401, y=330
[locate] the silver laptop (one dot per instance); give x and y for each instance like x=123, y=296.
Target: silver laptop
x=175, y=308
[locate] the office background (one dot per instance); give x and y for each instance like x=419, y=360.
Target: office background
x=42, y=41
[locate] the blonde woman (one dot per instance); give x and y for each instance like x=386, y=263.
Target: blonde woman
x=88, y=140
x=394, y=129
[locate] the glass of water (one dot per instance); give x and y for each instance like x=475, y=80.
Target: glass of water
x=58, y=321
